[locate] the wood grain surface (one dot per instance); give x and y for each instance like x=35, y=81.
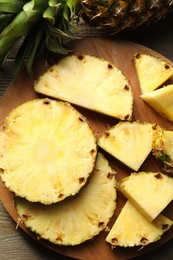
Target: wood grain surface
x=15, y=243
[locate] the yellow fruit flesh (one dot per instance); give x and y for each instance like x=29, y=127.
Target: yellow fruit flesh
x=150, y=192
x=123, y=141
x=161, y=100
x=131, y=228
x=152, y=71
x=78, y=218
x=90, y=82
x=47, y=151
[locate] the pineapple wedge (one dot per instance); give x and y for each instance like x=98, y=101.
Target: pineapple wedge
x=161, y=100
x=163, y=148
x=151, y=71
x=78, y=218
x=131, y=228
x=47, y=150
x=150, y=192
x=89, y=82
x=129, y=142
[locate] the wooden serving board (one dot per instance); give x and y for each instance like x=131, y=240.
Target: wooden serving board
x=121, y=54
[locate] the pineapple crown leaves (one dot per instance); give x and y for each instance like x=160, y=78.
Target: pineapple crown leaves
x=50, y=24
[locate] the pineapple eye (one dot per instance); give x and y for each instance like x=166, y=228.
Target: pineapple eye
x=80, y=57
x=165, y=226
x=110, y=66
x=167, y=66
x=81, y=119
x=110, y=175
x=137, y=56
x=60, y=195
x=101, y=224
x=81, y=180
x=127, y=117
x=114, y=241
x=126, y=87
x=158, y=176
x=144, y=240
x=107, y=134
x=46, y=102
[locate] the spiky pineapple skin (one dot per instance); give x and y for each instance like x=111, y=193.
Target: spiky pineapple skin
x=163, y=148
x=119, y=15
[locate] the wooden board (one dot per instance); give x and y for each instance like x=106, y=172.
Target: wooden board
x=121, y=54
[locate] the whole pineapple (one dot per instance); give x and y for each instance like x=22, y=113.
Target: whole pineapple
x=53, y=24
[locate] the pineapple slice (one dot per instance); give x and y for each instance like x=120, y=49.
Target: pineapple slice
x=78, y=218
x=151, y=71
x=129, y=142
x=163, y=148
x=161, y=100
x=131, y=228
x=47, y=150
x=150, y=192
x=89, y=82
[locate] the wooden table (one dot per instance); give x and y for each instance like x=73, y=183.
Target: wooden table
x=16, y=244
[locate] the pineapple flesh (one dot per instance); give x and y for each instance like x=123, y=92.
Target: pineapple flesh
x=129, y=142
x=163, y=148
x=149, y=192
x=161, y=100
x=47, y=150
x=131, y=228
x=89, y=82
x=151, y=71
x=78, y=218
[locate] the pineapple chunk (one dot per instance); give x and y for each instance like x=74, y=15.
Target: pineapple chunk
x=161, y=100
x=78, y=218
x=89, y=82
x=151, y=71
x=129, y=142
x=163, y=148
x=131, y=228
x=47, y=150
x=150, y=192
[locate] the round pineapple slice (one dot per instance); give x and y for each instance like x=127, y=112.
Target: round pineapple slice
x=78, y=218
x=47, y=150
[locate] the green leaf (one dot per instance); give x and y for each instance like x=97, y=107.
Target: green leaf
x=40, y=35
x=5, y=20
x=11, y=7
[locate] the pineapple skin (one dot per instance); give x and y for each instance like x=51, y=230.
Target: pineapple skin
x=163, y=148
x=119, y=15
x=131, y=228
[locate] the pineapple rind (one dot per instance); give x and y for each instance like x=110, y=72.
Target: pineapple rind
x=151, y=71
x=90, y=82
x=131, y=228
x=161, y=101
x=163, y=148
x=48, y=150
x=76, y=219
x=129, y=142
x=149, y=192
